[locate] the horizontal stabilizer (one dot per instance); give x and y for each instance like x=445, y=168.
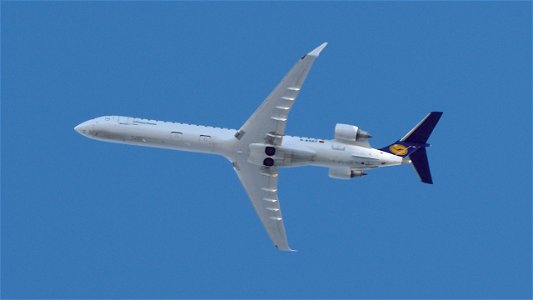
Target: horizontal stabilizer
x=421, y=132
x=419, y=159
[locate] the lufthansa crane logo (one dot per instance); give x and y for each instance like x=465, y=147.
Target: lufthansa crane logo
x=398, y=149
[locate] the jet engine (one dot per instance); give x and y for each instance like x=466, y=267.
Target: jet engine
x=345, y=173
x=350, y=134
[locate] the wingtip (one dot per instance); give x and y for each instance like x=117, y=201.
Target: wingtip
x=288, y=250
x=318, y=49
x=285, y=249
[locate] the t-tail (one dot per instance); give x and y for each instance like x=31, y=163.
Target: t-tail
x=414, y=143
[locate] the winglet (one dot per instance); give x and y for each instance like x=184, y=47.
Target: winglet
x=287, y=250
x=317, y=50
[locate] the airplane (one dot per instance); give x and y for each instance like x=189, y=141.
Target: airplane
x=260, y=147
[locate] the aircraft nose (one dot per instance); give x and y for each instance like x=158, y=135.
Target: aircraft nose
x=83, y=128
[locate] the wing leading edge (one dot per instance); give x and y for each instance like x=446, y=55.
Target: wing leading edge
x=267, y=125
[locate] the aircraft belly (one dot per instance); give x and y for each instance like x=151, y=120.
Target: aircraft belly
x=334, y=155
x=297, y=157
x=175, y=136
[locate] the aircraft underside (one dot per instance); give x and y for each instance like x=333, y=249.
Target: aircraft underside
x=260, y=147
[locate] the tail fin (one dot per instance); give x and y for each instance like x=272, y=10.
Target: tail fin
x=414, y=144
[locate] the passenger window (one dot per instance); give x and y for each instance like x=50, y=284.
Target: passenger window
x=176, y=135
x=338, y=147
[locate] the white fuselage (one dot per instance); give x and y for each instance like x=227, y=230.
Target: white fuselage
x=294, y=151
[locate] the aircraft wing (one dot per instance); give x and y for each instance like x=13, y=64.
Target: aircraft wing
x=267, y=123
x=261, y=185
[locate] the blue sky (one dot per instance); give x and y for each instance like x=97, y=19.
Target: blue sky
x=86, y=219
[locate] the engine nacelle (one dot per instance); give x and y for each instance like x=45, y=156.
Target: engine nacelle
x=345, y=173
x=350, y=134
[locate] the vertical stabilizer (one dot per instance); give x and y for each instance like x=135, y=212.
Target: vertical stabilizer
x=414, y=143
x=420, y=162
